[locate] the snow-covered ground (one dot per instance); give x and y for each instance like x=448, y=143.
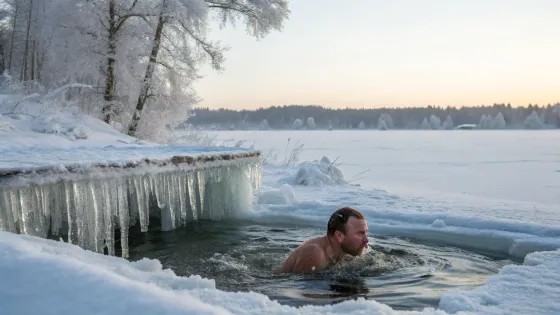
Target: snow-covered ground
x=88, y=283
x=28, y=142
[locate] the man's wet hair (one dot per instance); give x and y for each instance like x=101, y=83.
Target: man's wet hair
x=338, y=219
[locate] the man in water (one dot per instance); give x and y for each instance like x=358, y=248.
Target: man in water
x=346, y=235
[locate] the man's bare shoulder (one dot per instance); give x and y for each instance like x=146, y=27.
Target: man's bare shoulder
x=310, y=257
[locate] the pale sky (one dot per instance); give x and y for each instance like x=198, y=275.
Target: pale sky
x=374, y=53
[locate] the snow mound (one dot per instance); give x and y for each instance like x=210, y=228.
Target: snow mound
x=282, y=196
x=318, y=173
x=60, y=125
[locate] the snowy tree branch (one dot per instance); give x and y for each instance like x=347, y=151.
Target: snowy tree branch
x=214, y=53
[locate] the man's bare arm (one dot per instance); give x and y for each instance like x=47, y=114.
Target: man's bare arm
x=311, y=258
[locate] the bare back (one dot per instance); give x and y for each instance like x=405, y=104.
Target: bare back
x=309, y=256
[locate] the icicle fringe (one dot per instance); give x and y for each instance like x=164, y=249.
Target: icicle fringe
x=89, y=209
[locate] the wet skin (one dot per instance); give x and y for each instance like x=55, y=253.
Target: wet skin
x=324, y=251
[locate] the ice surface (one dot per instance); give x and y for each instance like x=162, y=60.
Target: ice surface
x=477, y=225
x=50, y=277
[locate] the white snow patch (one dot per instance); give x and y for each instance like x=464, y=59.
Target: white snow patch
x=531, y=288
x=318, y=173
x=40, y=139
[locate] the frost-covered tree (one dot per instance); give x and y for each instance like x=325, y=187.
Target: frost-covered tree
x=499, y=122
x=556, y=110
x=311, y=123
x=435, y=122
x=382, y=125
x=264, y=125
x=533, y=121
x=181, y=31
x=448, y=123
x=361, y=125
x=425, y=124
x=141, y=56
x=485, y=122
x=298, y=124
x=387, y=119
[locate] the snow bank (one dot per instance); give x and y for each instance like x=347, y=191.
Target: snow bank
x=38, y=139
x=50, y=277
x=318, y=173
x=531, y=288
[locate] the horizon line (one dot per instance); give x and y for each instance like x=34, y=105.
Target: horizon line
x=557, y=103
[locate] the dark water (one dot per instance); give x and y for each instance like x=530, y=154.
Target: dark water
x=240, y=255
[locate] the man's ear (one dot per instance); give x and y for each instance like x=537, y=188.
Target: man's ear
x=338, y=236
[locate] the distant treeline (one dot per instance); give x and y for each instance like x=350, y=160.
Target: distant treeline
x=430, y=117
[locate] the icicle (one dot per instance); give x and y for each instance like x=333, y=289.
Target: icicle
x=71, y=213
x=57, y=206
x=182, y=194
x=98, y=227
x=130, y=197
x=108, y=227
x=7, y=217
x=123, y=218
x=25, y=199
x=200, y=190
x=170, y=199
x=141, y=204
x=192, y=191
x=79, y=205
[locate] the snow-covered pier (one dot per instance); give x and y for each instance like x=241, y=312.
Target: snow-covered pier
x=86, y=194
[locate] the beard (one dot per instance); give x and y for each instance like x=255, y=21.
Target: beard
x=354, y=250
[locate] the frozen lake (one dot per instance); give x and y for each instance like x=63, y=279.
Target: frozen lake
x=506, y=165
